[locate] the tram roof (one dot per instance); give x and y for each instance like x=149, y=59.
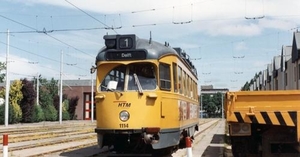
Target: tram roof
x=154, y=49
x=136, y=48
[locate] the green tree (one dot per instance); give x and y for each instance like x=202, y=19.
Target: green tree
x=48, y=90
x=211, y=108
x=50, y=113
x=51, y=86
x=212, y=104
x=38, y=114
x=45, y=98
x=56, y=100
x=15, y=96
x=65, y=108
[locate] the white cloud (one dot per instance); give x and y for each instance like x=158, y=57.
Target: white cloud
x=22, y=68
x=212, y=17
x=229, y=29
x=277, y=24
x=240, y=46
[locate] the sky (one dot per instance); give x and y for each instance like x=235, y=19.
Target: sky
x=229, y=41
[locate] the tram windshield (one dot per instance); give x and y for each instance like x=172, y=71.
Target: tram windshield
x=123, y=75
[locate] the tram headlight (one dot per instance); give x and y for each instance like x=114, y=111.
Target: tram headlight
x=124, y=116
x=110, y=43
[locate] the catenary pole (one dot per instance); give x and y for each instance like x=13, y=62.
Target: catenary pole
x=37, y=89
x=60, y=90
x=201, y=106
x=222, y=106
x=7, y=81
x=92, y=97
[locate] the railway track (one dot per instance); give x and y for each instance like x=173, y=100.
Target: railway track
x=76, y=139
x=40, y=139
x=45, y=135
x=19, y=129
x=204, y=125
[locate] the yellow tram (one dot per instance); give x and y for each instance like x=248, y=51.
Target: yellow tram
x=146, y=97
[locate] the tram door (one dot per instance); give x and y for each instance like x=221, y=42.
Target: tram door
x=87, y=107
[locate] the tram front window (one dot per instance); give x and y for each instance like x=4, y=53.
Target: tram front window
x=145, y=75
x=118, y=75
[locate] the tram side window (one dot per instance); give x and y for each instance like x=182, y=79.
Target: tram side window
x=175, y=77
x=117, y=74
x=195, y=90
x=188, y=86
x=180, y=79
x=191, y=87
x=184, y=83
x=164, y=76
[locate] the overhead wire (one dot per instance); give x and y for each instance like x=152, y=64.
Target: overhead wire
x=183, y=22
x=255, y=17
x=45, y=32
x=57, y=30
x=107, y=27
x=144, y=25
x=42, y=56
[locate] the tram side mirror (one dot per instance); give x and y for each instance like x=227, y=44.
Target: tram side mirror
x=93, y=69
x=112, y=85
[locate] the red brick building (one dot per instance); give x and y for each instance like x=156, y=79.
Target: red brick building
x=82, y=89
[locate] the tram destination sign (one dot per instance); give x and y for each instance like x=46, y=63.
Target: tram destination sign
x=125, y=55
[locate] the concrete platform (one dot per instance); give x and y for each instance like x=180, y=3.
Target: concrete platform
x=210, y=143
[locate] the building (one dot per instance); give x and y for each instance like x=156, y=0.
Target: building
x=296, y=58
x=283, y=73
x=286, y=67
x=276, y=76
x=82, y=89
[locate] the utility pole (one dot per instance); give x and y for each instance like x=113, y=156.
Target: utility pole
x=222, y=96
x=7, y=81
x=37, y=89
x=92, y=97
x=60, y=91
x=201, y=106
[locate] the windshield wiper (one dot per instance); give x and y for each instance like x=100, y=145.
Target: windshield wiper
x=137, y=81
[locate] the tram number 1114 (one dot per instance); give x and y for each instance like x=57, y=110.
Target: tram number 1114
x=122, y=125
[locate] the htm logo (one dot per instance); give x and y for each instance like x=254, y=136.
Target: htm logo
x=124, y=104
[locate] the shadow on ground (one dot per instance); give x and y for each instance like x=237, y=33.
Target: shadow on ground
x=216, y=148
x=82, y=152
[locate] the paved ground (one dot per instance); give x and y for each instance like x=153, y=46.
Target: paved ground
x=210, y=143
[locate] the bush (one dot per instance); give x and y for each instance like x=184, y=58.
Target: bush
x=15, y=96
x=15, y=113
x=2, y=116
x=73, y=102
x=28, y=102
x=38, y=114
x=65, y=113
x=50, y=113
